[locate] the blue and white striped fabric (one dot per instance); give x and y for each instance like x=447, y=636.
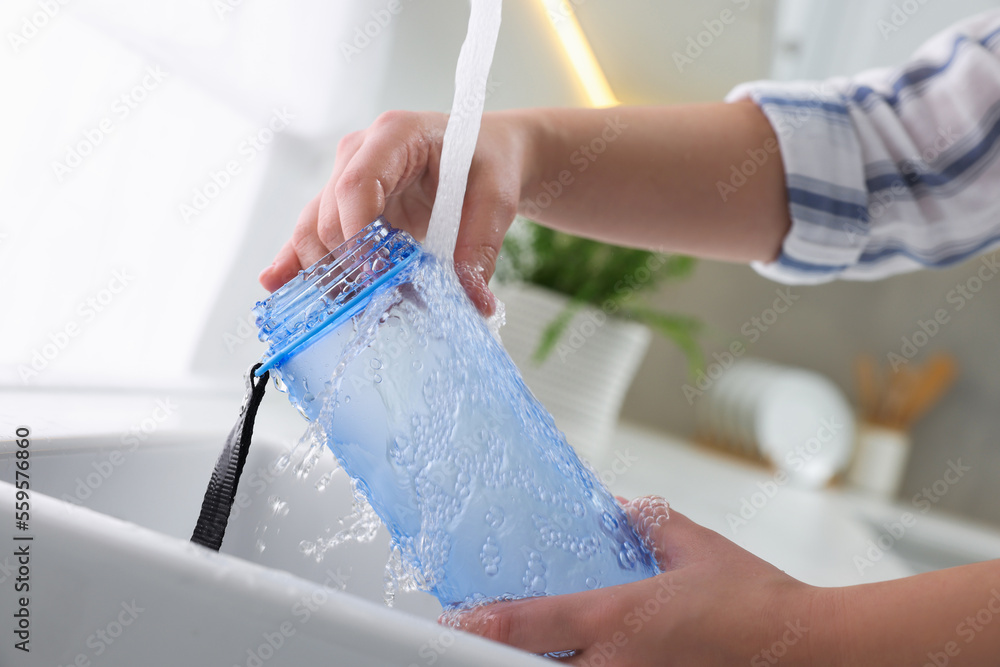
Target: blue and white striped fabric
x=891, y=170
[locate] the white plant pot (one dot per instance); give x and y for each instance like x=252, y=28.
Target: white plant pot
x=584, y=380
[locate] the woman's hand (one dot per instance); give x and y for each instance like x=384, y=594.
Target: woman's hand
x=392, y=168
x=714, y=604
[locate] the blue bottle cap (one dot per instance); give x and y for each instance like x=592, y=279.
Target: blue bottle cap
x=331, y=290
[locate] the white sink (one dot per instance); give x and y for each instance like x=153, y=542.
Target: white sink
x=115, y=581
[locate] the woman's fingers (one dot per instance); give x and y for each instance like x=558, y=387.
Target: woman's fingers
x=308, y=246
x=394, y=153
x=394, y=164
x=542, y=624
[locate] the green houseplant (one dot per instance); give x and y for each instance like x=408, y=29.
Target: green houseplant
x=610, y=278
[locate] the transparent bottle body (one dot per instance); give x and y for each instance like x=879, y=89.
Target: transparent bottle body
x=425, y=410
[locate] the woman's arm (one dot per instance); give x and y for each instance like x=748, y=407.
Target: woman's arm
x=948, y=617
x=716, y=604
x=641, y=176
x=659, y=177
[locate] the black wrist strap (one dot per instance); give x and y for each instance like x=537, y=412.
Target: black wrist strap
x=221, y=491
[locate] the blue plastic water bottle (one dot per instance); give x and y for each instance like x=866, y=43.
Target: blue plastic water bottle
x=379, y=345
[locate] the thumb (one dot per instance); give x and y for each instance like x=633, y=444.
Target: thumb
x=649, y=516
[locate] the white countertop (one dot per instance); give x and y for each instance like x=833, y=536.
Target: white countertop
x=826, y=537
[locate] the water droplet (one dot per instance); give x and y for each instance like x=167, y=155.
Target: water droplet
x=494, y=516
x=278, y=506
x=627, y=556
x=376, y=378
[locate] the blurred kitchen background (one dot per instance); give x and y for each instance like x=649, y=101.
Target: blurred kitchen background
x=155, y=157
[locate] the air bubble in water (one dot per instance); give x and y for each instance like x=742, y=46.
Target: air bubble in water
x=494, y=516
x=627, y=556
x=489, y=556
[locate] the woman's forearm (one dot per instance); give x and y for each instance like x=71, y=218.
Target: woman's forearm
x=948, y=617
x=704, y=180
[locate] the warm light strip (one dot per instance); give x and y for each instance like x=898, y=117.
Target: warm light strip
x=563, y=20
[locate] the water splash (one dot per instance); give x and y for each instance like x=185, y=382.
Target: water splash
x=455, y=473
x=462, y=479
x=361, y=526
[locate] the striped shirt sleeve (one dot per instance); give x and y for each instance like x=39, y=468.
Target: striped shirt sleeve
x=891, y=170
